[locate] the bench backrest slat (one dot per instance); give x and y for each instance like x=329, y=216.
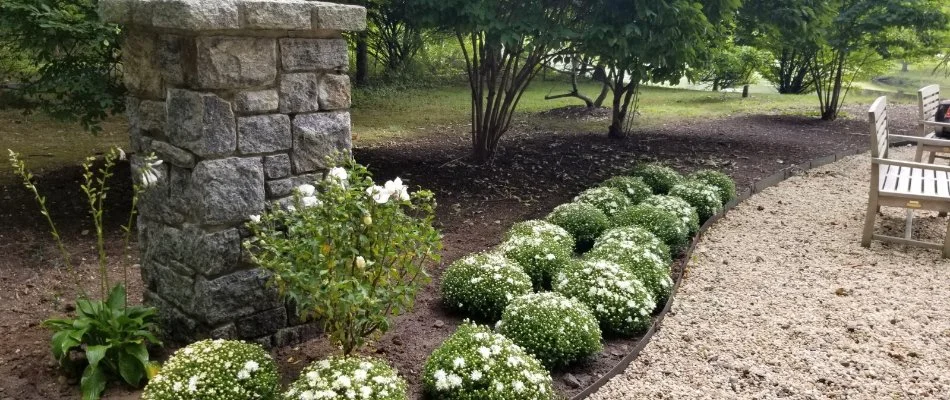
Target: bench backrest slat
x=877, y=122
x=928, y=98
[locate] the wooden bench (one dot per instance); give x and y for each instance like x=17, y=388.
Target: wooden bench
x=928, y=98
x=904, y=184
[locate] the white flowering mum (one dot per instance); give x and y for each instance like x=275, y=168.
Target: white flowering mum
x=607, y=199
x=678, y=206
x=632, y=186
x=477, y=364
x=555, y=329
x=482, y=284
x=544, y=229
x=354, y=377
x=621, y=303
x=216, y=369
x=660, y=178
x=540, y=257
x=723, y=183
x=702, y=196
x=665, y=224
x=583, y=221
x=639, y=236
x=645, y=265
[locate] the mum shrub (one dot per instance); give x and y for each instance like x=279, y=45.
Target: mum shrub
x=660, y=178
x=555, y=329
x=634, y=187
x=723, y=183
x=216, y=369
x=702, y=196
x=621, y=303
x=638, y=235
x=607, y=199
x=645, y=265
x=481, y=285
x=349, y=252
x=583, y=221
x=666, y=225
x=678, y=206
x=477, y=364
x=543, y=229
x=539, y=256
x=354, y=377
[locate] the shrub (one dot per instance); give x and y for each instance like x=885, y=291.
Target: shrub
x=678, y=206
x=634, y=187
x=540, y=257
x=606, y=199
x=544, y=229
x=666, y=225
x=649, y=268
x=477, y=364
x=723, y=183
x=660, y=178
x=638, y=235
x=553, y=328
x=372, y=240
x=216, y=369
x=481, y=285
x=348, y=378
x=583, y=221
x=620, y=302
x=702, y=196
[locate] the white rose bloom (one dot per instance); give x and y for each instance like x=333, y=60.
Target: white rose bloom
x=255, y=218
x=309, y=201
x=379, y=194
x=339, y=175
x=306, y=190
x=121, y=153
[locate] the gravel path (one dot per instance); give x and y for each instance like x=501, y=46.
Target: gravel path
x=780, y=301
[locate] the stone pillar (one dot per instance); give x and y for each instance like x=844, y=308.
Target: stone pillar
x=242, y=100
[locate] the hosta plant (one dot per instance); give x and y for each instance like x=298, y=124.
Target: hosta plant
x=647, y=267
x=216, y=369
x=583, y=221
x=638, y=235
x=621, y=303
x=354, y=377
x=666, y=225
x=723, y=183
x=543, y=229
x=349, y=253
x=634, y=187
x=607, y=199
x=678, y=206
x=540, y=256
x=702, y=196
x=555, y=329
x=477, y=364
x=659, y=177
x=481, y=285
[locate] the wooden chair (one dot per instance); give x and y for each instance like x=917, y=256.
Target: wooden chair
x=928, y=98
x=904, y=184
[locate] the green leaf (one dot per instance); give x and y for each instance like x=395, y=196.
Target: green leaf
x=116, y=297
x=131, y=367
x=61, y=343
x=94, y=354
x=93, y=383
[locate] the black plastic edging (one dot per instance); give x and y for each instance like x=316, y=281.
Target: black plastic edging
x=756, y=187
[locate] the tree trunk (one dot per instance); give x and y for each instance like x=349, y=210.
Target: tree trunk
x=618, y=114
x=362, y=59
x=745, y=91
x=905, y=66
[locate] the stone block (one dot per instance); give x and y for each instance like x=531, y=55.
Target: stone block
x=162, y=244
x=185, y=328
x=227, y=191
x=334, y=92
x=299, y=54
x=263, y=323
x=173, y=155
x=317, y=136
x=135, y=130
x=200, y=122
x=116, y=11
x=227, y=331
x=297, y=334
x=151, y=116
x=277, y=166
x=170, y=50
x=299, y=93
x=339, y=17
x=285, y=187
x=235, y=62
x=278, y=14
x=264, y=133
x=233, y=296
x=141, y=72
x=257, y=101
x=192, y=15
x=158, y=201
x=168, y=281
x=212, y=253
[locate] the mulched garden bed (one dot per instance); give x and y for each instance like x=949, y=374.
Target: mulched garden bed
x=535, y=171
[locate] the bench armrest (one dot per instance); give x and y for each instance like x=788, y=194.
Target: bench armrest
x=929, y=141
x=911, y=164
x=935, y=124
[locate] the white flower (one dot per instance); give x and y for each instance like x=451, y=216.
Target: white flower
x=306, y=190
x=243, y=374
x=360, y=262
x=455, y=380
x=255, y=218
x=251, y=365
x=366, y=392
x=476, y=375
x=342, y=381
x=193, y=384
x=359, y=375
x=121, y=153
x=518, y=386
x=484, y=351
x=309, y=201
x=459, y=362
x=379, y=194
x=291, y=208
x=176, y=387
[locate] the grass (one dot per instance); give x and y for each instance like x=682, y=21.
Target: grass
x=917, y=76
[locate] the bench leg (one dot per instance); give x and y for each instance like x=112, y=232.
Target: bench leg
x=920, y=153
x=873, y=208
x=933, y=157
x=909, y=225
x=946, y=243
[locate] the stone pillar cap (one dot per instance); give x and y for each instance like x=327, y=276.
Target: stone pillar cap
x=227, y=15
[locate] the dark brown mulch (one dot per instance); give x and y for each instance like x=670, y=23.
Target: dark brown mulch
x=535, y=171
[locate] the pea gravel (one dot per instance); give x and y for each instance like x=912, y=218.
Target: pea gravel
x=780, y=301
